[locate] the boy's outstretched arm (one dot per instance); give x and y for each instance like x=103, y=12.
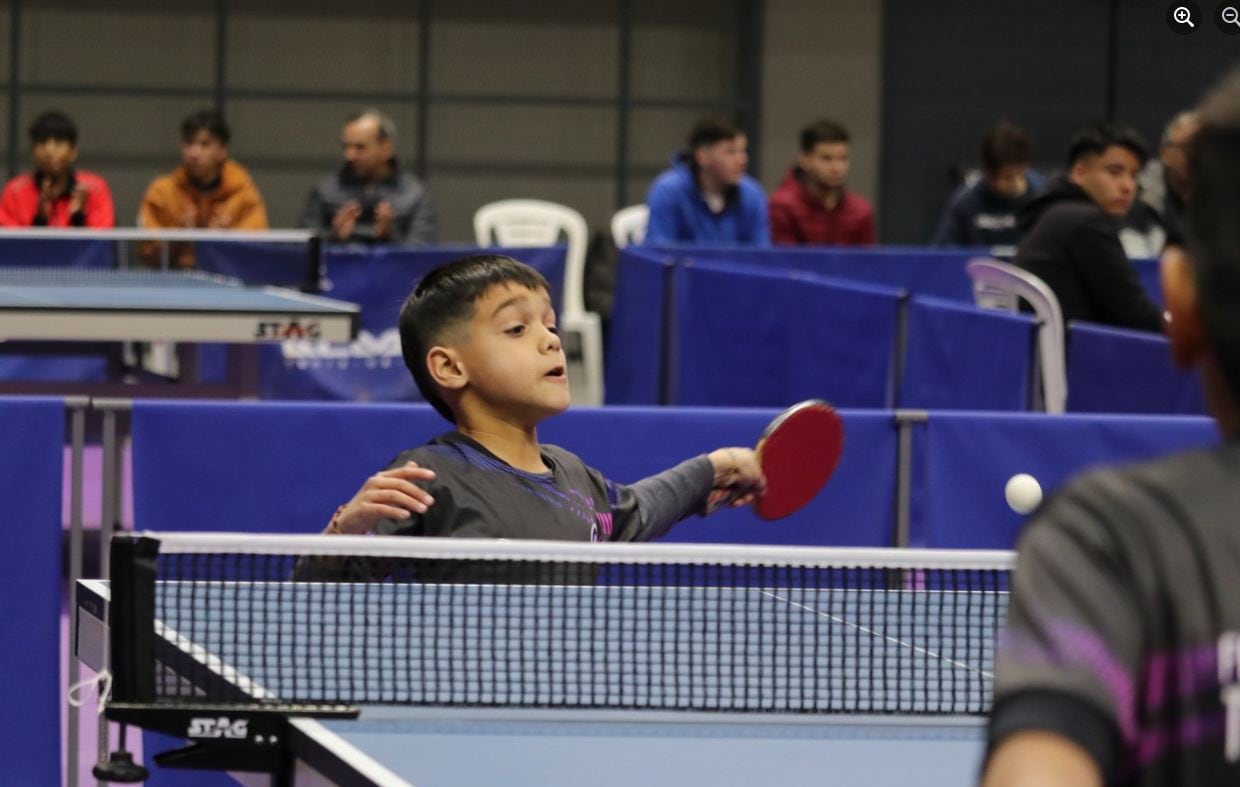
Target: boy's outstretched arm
x=649, y=508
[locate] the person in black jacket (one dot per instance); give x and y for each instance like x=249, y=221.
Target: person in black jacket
x=1072, y=232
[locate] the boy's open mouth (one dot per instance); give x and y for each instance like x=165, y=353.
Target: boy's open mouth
x=556, y=372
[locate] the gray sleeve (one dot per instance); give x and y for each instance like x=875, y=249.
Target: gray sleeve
x=423, y=224
x=647, y=509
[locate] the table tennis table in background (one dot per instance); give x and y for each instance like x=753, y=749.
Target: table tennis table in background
x=74, y=309
x=901, y=679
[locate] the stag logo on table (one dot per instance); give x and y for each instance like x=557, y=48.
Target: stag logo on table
x=368, y=350
x=271, y=330
x=221, y=727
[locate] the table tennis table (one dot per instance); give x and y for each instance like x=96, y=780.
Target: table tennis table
x=460, y=740
x=76, y=309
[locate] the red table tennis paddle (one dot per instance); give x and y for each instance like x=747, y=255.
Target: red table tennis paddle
x=798, y=452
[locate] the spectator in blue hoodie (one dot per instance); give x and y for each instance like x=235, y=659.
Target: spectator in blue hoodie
x=983, y=212
x=706, y=197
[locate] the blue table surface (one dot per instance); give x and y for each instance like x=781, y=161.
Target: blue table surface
x=438, y=748
x=127, y=290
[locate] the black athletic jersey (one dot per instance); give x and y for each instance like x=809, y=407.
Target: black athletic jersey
x=1123, y=630
x=478, y=495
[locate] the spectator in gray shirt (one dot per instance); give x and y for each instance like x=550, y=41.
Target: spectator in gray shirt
x=371, y=200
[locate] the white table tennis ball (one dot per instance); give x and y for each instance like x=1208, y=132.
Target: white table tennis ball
x=1023, y=493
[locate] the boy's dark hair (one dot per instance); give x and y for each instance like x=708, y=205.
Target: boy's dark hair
x=1094, y=140
x=53, y=125
x=209, y=121
x=712, y=129
x=822, y=131
x=1212, y=229
x=1005, y=144
x=445, y=298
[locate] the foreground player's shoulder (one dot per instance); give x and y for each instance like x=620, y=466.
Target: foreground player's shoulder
x=1142, y=503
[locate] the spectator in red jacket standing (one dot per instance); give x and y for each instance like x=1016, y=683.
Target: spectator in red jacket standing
x=813, y=206
x=56, y=194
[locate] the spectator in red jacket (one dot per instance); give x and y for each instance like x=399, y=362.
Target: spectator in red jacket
x=56, y=194
x=813, y=206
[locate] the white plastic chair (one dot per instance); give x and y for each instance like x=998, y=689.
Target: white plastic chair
x=528, y=222
x=1000, y=285
x=628, y=225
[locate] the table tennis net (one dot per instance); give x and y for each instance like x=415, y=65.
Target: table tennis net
x=283, y=621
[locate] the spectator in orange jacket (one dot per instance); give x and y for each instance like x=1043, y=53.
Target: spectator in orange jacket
x=56, y=194
x=208, y=190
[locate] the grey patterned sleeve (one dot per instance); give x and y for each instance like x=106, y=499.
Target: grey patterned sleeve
x=647, y=509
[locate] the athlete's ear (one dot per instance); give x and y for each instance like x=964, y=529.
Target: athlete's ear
x=1185, y=330
x=446, y=368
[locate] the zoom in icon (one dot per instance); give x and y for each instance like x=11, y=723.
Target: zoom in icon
x=1184, y=18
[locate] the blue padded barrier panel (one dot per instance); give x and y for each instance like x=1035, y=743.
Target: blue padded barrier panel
x=56, y=253
x=32, y=436
x=262, y=467
x=636, y=339
x=960, y=357
x=371, y=367
x=628, y=444
x=1112, y=370
x=920, y=271
x=750, y=338
x=274, y=264
x=301, y=460
x=970, y=457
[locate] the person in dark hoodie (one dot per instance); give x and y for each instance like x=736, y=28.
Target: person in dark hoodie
x=984, y=212
x=1072, y=232
x=371, y=200
x=706, y=197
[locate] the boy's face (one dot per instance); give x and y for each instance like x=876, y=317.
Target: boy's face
x=725, y=160
x=1009, y=180
x=1109, y=178
x=203, y=154
x=511, y=358
x=827, y=164
x=54, y=157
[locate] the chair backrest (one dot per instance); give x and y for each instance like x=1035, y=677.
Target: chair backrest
x=531, y=222
x=628, y=225
x=1000, y=285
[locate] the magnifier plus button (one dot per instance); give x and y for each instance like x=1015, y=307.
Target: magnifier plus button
x=1184, y=17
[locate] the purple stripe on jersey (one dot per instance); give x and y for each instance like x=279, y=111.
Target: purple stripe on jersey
x=1172, y=674
x=1065, y=643
x=1182, y=734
